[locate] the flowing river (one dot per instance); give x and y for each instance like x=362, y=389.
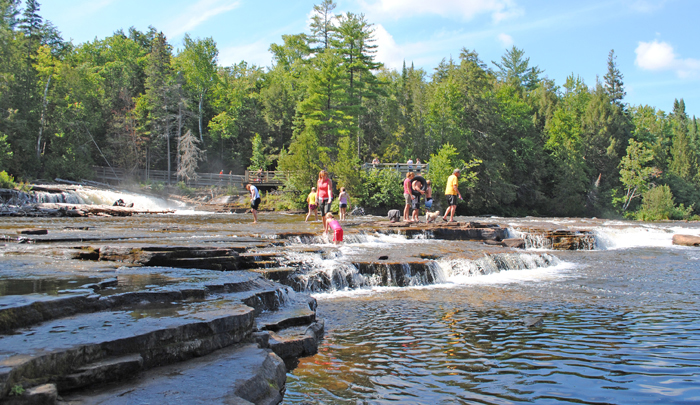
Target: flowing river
x=619, y=324
x=616, y=324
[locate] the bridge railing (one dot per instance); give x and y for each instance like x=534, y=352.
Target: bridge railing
x=117, y=175
x=266, y=178
x=400, y=167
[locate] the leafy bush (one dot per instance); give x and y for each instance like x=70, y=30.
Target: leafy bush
x=658, y=205
x=6, y=180
x=379, y=188
x=184, y=189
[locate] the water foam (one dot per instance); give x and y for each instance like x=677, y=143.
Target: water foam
x=646, y=235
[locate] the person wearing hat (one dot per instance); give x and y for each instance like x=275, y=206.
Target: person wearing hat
x=452, y=192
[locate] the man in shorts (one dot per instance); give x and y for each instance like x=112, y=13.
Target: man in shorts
x=254, y=201
x=452, y=192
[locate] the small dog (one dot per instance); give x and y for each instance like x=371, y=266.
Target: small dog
x=431, y=216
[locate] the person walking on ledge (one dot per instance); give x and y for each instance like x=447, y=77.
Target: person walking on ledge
x=452, y=192
x=324, y=194
x=254, y=201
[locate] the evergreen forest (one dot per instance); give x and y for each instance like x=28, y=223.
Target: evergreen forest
x=530, y=146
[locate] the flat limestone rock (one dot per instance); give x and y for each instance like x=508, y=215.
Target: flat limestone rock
x=241, y=374
x=686, y=240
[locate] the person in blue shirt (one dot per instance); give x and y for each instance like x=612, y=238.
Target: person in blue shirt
x=254, y=201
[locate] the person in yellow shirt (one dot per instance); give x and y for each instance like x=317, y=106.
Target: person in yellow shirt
x=311, y=200
x=452, y=192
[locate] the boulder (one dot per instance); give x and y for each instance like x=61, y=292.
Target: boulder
x=515, y=243
x=686, y=240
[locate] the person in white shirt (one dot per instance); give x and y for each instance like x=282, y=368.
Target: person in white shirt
x=254, y=201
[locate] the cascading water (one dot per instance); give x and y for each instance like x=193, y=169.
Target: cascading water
x=338, y=271
x=496, y=263
x=67, y=197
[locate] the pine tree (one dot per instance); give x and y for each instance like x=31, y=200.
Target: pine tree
x=683, y=159
x=515, y=68
x=31, y=22
x=322, y=27
x=614, y=87
x=9, y=13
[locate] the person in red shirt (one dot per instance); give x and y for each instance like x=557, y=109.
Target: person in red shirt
x=324, y=194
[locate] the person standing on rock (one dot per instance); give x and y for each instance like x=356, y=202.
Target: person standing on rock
x=343, y=206
x=415, y=204
x=311, y=200
x=254, y=201
x=324, y=194
x=407, y=196
x=452, y=192
x=428, y=195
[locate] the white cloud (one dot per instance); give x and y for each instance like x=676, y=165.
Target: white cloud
x=506, y=40
x=660, y=56
x=198, y=13
x=392, y=55
x=255, y=53
x=645, y=6
x=462, y=9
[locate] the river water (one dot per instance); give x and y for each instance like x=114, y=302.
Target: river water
x=617, y=324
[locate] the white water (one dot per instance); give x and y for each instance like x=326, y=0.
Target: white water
x=646, y=235
x=108, y=197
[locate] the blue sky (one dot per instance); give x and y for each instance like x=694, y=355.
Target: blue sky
x=655, y=40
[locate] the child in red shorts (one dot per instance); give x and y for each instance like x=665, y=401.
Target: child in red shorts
x=331, y=223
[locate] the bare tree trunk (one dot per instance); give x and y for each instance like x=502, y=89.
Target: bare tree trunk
x=41, y=128
x=201, y=101
x=179, y=135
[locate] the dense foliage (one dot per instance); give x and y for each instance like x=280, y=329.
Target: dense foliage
x=533, y=147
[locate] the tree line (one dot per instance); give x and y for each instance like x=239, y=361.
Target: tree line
x=533, y=147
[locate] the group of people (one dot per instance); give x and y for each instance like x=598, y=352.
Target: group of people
x=414, y=189
x=321, y=197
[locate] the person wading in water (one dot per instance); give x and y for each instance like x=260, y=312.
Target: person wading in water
x=324, y=194
x=452, y=192
x=254, y=201
x=408, y=196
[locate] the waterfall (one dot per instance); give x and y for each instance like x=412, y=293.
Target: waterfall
x=496, y=263
x=319, y=272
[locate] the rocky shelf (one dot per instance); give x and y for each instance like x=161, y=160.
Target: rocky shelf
x=74, y=344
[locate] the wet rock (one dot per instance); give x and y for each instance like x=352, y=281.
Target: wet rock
x=279, y=274
x=109, y=370
x=383, y=257
x=293, y=343
x=45, y=394
x=517, y=243
x=33, y=231
x=533, y=321
x=686, y=240
x=240, y=374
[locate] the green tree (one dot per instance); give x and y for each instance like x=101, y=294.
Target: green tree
x=197, y=61
x=515, y=69
x=635, y=174
x=614, y=87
